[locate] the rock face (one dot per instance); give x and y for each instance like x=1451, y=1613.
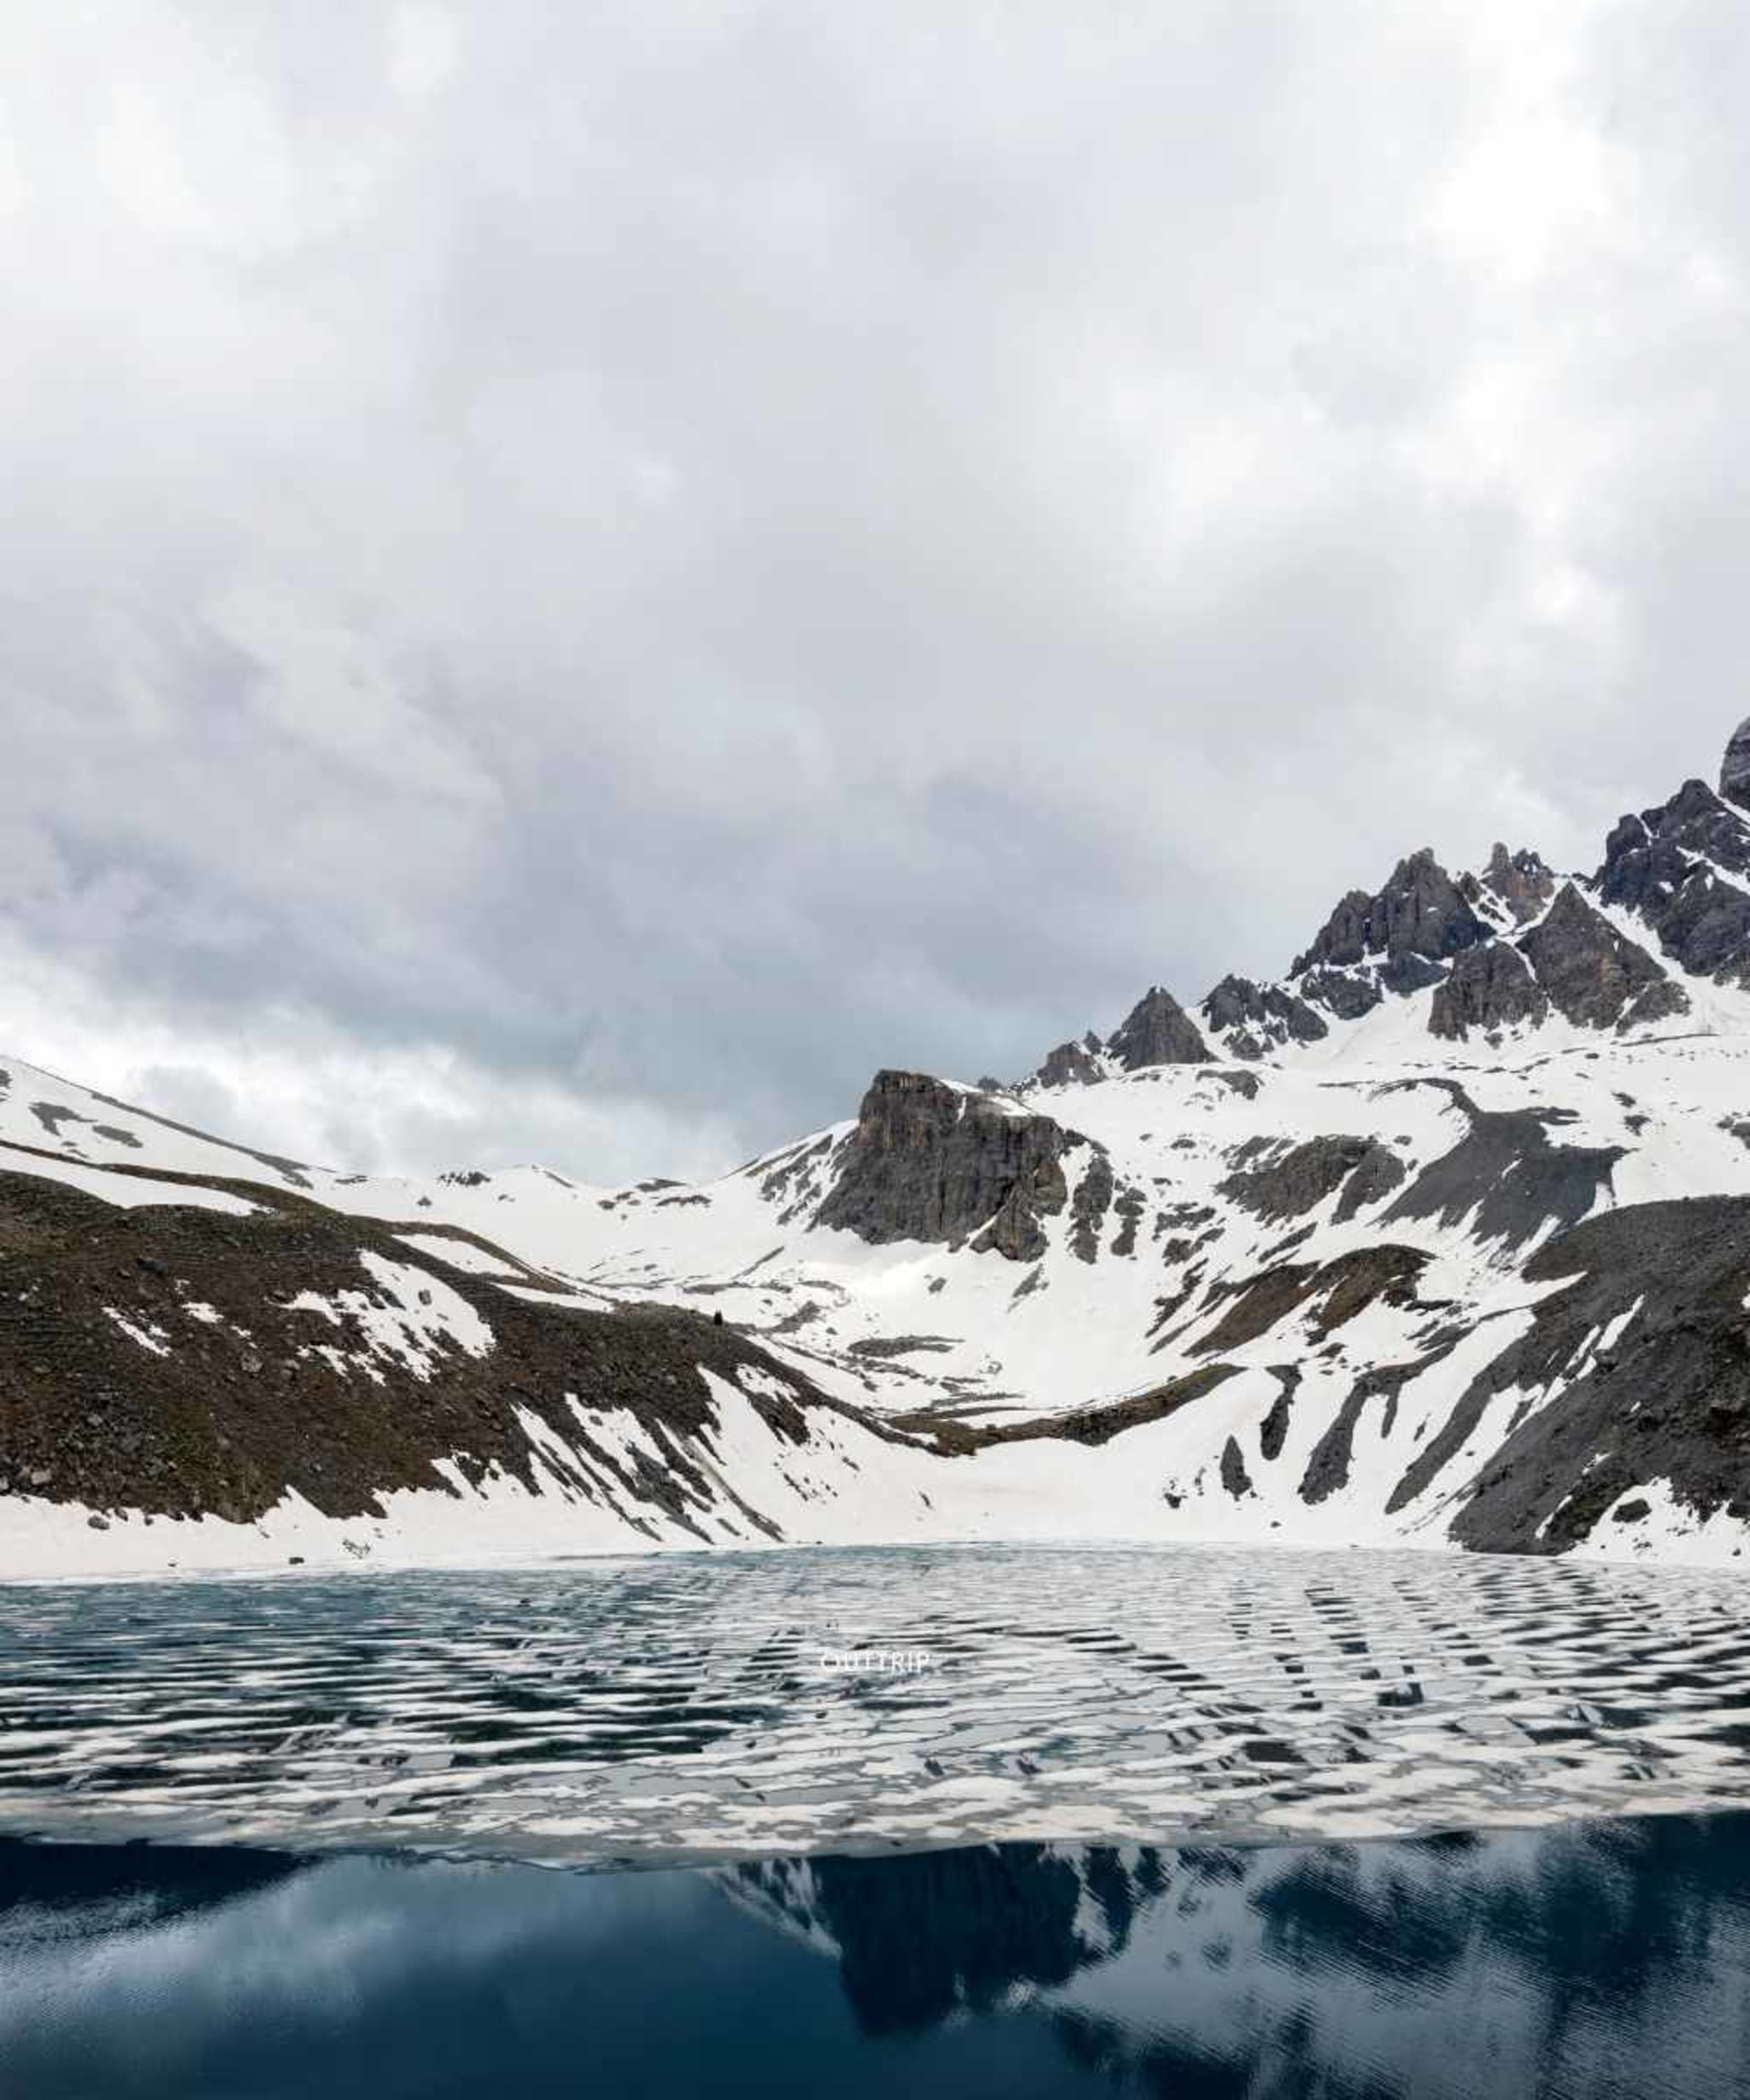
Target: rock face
x=1254, y=1019
x=1088, y=1208
x=1520, y=883
x=928, y=1161
x=1071, y=1064
x=1300, y=1179
x=1345, y=937
x=1416, y=923
x=1345, y=993
x=1669, y=1402
x=1505, y=1178
x=1666, y=865
x=1595, y=976
x=1735, y=767
x=1158, y=1031
x=1489, y=988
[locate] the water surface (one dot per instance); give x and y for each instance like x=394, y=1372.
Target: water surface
x=1602, y=1961
x=699, y=1708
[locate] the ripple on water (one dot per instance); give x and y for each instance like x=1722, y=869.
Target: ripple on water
x=700, y=1708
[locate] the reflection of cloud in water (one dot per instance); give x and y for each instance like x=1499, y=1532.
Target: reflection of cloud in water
x=1604, y=1958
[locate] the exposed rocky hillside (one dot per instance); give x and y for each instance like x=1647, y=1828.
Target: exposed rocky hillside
x=1443, y=1237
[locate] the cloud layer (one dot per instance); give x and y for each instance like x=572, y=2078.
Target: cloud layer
x=642, y=561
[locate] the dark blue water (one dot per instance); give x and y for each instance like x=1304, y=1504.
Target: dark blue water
x=1590, y=1960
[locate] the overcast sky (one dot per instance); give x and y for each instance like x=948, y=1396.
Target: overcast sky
x=577, y=578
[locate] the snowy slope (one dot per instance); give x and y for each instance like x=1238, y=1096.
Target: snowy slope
x=1444, y=1237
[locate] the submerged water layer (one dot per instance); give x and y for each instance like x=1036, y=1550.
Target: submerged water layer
x=1571, y=1964
x=713, y=1706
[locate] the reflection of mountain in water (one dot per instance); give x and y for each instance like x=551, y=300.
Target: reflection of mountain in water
x=920, y=1936
x=1581, y=1961
x=1337, y=1964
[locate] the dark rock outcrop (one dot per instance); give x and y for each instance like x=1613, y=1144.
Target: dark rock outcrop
x=1258, y=1018
x=1158, y=1031
x=1301, y=1178
x=1345, y=937
x=1329, y=1462
x=1705, y=927
x=1015, y=1232
x=1100, y=1423
x=1670, y=1401
x=1520, y=883
x=1375, y=1174
x=1420, y=917
x=1088, y=1206
x=1344, y=1287
x=1507, y=1177
x=1735, y=767
x=1410, y=972
x=1071, y=1064
x=928, y=1161
x=1348, y=994
x=1273, y=1430
x=1128, y=1209
x=1666, y=865
x=1488, y=987
x=1234, y=1476
x=1595, y=976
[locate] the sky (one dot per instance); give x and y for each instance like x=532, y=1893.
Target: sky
x=578, y=578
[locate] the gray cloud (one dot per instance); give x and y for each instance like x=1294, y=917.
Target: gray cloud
x=674, y=553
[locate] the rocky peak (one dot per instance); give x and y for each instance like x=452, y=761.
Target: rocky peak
x=1345, y=937
x=1416, y=923
x=1252, y=1020
x=1594, y=975
x=1695, y=823
x=929, y=1161
x=1666, y=865
x=1520, y=882
x=1735, y=767
x=1158, y=1031
x=1071, y=1064
x=1420, y=912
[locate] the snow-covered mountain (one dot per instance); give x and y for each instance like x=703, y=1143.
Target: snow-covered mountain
x=1444, y=1237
